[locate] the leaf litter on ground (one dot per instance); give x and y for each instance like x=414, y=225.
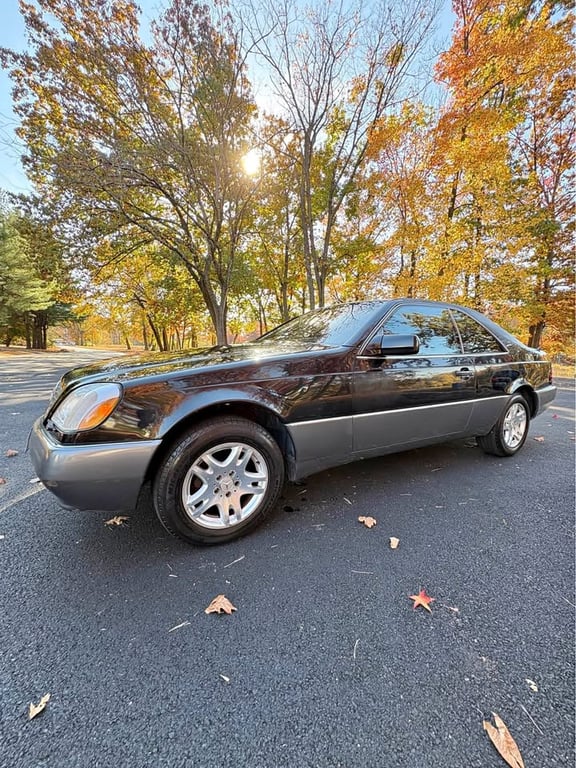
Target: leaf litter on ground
x=220, y=604
x=422, y=599
x=35, y=709
x=117, y=520
x=502, y=740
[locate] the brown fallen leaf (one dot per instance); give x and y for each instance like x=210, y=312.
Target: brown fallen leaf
x=35, y=709
x=422, y=599
x=118, y=520
x=369, y=522
x=2, y=481
x=10, y=453
x=539, y=439
x=394, y=542
x=220, y=604
x=503, y=741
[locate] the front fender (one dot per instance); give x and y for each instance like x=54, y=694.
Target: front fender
x=199, y=400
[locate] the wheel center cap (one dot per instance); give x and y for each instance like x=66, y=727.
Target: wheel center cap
x=227, y=485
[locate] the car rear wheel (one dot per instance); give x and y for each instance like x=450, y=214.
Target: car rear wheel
x=509, y=433
x=218, y=481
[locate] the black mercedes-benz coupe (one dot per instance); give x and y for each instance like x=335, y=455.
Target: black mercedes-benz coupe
x=216, y=432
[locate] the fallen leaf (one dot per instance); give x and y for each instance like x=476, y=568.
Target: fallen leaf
x=2, y=481
x=10, y=453
x=118, y=520
x=555, y=416
x=539, y=439
x=422, y=599
x=220, y=604
x=369, y=522
x=394, y=542
x=532, y=685
x=35, y=709
x=503, y=741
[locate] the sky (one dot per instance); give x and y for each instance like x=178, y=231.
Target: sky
x=12, y=35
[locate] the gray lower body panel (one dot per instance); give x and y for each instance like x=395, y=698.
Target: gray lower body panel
x=545, y=396
x=105, y=477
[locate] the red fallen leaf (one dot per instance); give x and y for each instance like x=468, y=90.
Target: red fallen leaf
x=220, y=604
x=422, y=599
x=503, y=741
x=10, y=453
x=555, y=416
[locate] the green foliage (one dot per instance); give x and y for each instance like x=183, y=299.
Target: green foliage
x=23, y=292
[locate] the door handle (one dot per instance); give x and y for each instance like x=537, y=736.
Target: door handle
x=465, y=373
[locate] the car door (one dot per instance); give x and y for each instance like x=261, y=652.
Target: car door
x=418, y=398
x=496, y=371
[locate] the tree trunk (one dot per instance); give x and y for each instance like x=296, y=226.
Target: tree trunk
x=535, y=333
x=145, y=334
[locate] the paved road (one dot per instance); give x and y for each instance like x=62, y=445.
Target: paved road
x=325, y=663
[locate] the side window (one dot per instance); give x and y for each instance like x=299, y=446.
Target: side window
x=433, y=325
x=475, y=337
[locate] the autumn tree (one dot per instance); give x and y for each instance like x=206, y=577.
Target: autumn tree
x=145, y=137
x=148, y=296
x=334, y=69
x=503, y=231
x=403, y=186
x=274, y=249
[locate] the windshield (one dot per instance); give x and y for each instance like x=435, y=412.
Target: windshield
x=330, y=327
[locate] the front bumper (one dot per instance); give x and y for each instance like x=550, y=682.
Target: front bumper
x=105, y=477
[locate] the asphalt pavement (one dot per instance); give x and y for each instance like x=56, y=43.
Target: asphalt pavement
x=325, y=664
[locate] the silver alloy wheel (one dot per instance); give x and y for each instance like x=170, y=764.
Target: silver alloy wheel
x=515, y=425
x=226, y=484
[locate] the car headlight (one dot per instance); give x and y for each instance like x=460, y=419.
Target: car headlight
x=86, y=407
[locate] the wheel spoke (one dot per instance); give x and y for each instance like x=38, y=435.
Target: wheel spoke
x=199, y=502
x=247, y=484
x=225, y=485
x=224, y=511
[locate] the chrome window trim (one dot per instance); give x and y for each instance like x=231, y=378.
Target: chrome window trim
x=371, y=414
x=456, y=354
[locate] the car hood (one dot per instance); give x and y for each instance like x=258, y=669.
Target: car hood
x=195, y=361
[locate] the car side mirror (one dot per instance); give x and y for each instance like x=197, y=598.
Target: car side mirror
x=393, y=344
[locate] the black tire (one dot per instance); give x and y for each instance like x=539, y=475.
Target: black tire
x=205, y=473
x=509, y=433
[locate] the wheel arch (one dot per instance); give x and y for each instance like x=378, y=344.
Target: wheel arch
x=254, y=412
x=529, y=395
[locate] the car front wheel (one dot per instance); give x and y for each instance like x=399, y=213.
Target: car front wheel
x=509, y=433
x=218, y=481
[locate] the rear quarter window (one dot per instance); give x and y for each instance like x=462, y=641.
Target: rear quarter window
x=475, y=338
